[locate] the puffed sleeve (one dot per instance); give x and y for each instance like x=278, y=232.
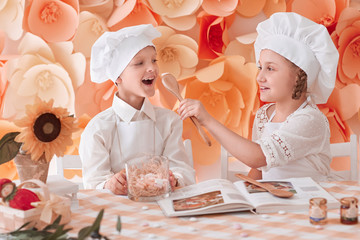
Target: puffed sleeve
x=174, y=149
x=94, y=152
x=304, y=133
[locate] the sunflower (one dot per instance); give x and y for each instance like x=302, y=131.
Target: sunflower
x=47, y=130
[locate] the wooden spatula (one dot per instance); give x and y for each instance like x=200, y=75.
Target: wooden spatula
x=172, y=85
x=276, y=192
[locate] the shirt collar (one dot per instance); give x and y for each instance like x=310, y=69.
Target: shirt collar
x=126, y=112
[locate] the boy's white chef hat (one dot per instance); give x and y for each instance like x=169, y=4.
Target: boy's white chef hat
x=306, y=44
x=113, y=51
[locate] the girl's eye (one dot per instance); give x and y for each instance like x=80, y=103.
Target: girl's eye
x=259, y=67
x=270, y=68
x=154, y=60
x=139, y=63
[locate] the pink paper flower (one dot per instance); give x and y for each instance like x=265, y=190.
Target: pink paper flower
x=11, y=17
x=228, y=90
x=43, y=70
x=213, y=37
x=131, y=12
x=52, y=20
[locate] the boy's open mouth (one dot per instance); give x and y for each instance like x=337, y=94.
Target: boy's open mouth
x=148, y=81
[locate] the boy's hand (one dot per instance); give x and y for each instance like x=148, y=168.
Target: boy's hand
x=117, y=184
x=173, y=181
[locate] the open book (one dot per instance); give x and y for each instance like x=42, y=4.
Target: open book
x=221, y=195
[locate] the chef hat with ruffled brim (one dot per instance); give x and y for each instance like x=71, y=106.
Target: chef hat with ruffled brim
x=305, y=43
x=113, y=51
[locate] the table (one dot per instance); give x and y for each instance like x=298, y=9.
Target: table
x=146, y=221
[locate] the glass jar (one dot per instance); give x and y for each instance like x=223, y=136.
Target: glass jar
x=147, y=178
x=318, y=211
x=349, y=210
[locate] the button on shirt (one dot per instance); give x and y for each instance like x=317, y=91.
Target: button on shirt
x=122, y=132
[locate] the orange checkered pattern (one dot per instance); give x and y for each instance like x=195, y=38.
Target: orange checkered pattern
x=146, y=220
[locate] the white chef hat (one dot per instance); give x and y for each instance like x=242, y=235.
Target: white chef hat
x=113, y=51
x=305, y=43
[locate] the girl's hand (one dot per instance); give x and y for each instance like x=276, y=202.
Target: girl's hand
x=190, y=107
x=117, y=184
x=173, y=180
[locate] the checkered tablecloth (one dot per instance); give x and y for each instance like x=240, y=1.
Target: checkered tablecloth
x=146, y=220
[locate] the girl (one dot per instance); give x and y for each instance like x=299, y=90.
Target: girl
x=297, y=68
x=132, y=125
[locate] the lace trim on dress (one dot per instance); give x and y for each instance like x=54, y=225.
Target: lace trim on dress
x=261, y=115
x=286, y=154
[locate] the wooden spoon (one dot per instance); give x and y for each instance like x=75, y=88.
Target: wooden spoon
x=276, y=192
x=172, y=85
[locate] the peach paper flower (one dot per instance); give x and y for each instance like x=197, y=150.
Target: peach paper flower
x=52, y=20
x=176, y=54
x=339, y=129
x=102, y=8
x=11, y=17
x=129, y=13
x=228, y=90
x=178, y=14
x=44, y=70
x=213, y=37
x=92, y=98
x=220, y=8
x=8, y=170
x=2, y=41
x=91, y=27
x=325, y=12
x=243, y=46
x=346, y=37
x=251, y=8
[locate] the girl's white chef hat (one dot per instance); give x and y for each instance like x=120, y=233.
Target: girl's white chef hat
x=305, y=43
x=113, y=51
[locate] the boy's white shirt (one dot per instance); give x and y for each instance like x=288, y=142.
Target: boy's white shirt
x=122, y=132
x=297, y=147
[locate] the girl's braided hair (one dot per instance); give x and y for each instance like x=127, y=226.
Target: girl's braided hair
x=301, y=83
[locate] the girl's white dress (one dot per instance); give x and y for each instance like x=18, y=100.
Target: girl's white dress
x=297, y=147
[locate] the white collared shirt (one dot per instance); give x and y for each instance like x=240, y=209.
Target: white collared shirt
x=122, y=132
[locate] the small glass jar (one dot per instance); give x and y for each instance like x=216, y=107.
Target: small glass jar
x=318, y=211
x=349, y=210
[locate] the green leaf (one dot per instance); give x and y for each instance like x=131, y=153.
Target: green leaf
x=95, y=227
x=8, y=147
x=118, y=224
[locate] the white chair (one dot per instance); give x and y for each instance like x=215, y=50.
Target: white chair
x=346, y=149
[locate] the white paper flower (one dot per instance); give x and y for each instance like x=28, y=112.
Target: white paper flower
x=43, y=70
x=11, y=17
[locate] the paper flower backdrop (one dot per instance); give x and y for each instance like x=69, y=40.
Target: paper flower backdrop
x=206, y=44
